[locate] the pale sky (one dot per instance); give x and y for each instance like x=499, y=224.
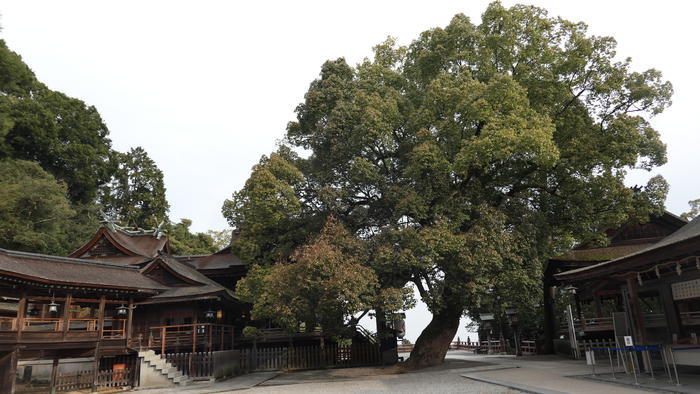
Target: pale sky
x=207, y=87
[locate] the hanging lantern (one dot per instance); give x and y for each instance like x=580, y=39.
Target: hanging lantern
x=53, y=306
x=121, y=310
x=209, y=314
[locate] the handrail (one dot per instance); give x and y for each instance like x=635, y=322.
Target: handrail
x=50, y=324
x=191, y=325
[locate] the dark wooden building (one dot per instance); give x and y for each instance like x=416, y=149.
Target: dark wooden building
x=120, y=292
x=657, y=287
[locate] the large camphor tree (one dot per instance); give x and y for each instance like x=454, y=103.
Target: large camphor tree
x=463, y=160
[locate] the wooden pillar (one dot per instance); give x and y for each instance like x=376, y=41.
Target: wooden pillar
x=95, y=367
x=597, y=305
x=129, y=321
x=670, y=311
x=210, y=337
x=8, y=371
x=549, y=319
x=21, y=314
x=100, y=330
x=101, y=317
x=54, y=374
x=66, y=314
x=194, y=333
x=637, y=315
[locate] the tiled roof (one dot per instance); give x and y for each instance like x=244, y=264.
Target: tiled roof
x=70, y=271
x=685, y=233
x=220, y=260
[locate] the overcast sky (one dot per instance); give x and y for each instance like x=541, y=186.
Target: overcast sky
x=207, y=87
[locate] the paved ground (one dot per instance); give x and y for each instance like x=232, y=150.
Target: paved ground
x=546, y=374
x=463, y=373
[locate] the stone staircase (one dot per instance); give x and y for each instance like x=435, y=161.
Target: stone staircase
x=158, y=365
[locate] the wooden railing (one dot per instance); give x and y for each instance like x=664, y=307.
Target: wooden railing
x=309, y=357
x=690, y=318
x=654, y=320
x=191, y=337
x=528, y=348
x=8, y=324
x=112, y=328
x=597, y=324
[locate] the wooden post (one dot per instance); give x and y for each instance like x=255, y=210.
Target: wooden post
x=162, y=341
x=597, y=305
x=54, y=374
x=221, y=344
x=21, y=314
x=66, y=314
x=129, y=320
x=209, y=340
x=101, y=317
x=670, y=311
x=8, y=371
x=638, y=318
x=95, y=367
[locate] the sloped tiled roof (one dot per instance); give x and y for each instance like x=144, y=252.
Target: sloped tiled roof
x=688, y=232
x=76, y=272
x=220, y=260
x=208, y=287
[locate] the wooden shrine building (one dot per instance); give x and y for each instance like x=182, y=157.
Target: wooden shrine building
x=120, y=292
x=622, y=241
x=657, y=288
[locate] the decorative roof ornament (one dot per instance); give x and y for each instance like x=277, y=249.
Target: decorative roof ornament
x=109, y=222
x=159, y=232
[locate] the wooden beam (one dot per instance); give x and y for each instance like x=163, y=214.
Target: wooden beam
x=78, y=300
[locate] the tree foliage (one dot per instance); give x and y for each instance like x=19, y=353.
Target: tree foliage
x=135, y=195
x=694, y=210
x=185, y=243
x=64, y=135
x=325, y=283
x=35, y=213
x=467, y=158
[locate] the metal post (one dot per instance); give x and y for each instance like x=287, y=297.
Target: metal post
x=675, y=370
x=612, y=368
x=651, y=366
x=667, y=368
x=634, y=370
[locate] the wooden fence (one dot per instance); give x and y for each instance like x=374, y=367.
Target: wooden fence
x=80, y=380
x=309, y=357
x=195, y=365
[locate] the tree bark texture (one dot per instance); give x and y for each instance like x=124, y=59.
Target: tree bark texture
x=432, y=344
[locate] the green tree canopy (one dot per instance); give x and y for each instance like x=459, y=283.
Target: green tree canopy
x=326, y=283
x=694, y=210
x=185, y=243
x=35, y=212
x=65, y=136
x=467, y=158
x=135, y=195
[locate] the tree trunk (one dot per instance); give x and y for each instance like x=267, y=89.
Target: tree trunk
x=432, y=344
x=549, y=319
